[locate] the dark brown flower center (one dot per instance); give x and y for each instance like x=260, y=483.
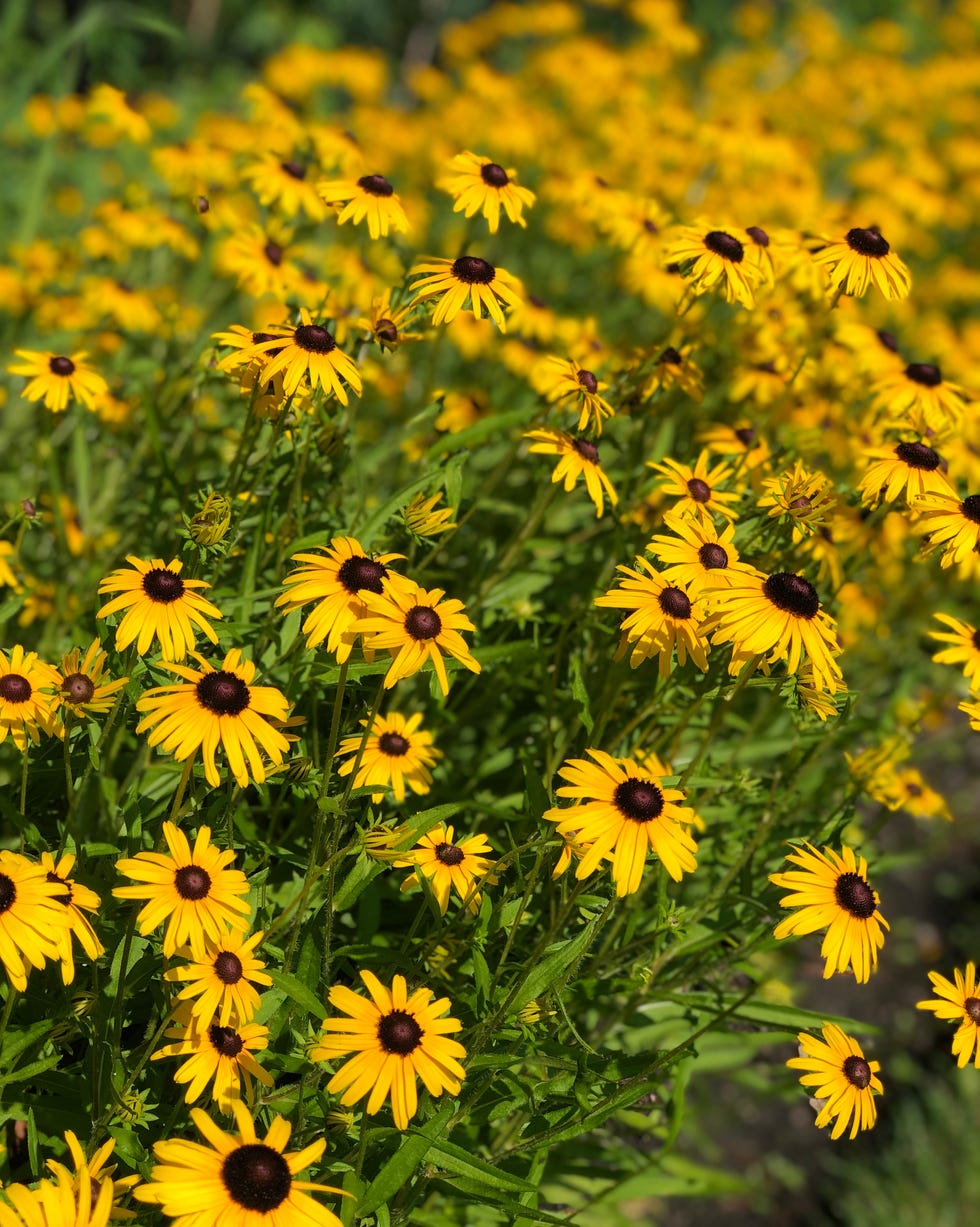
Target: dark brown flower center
x=725, y=245
x=970, y=507
x=758, y=235
x=699, y=490
x=15, y=688
x=924, y=373
x=712, y=556
x=422, y=622
x=78, y=688
x=225, y=1040
x=745, y=435
x=61, y=366
x=223, y=693
x=971, y=1008
x=273, y=253
x=867, y=243
x=675, y=603
x=63, y=899
x=8, y=893
x=393, y=744
x=375, y=185
x=587, y=381
x=449, y=854
x=295, y=170
x=858, y=1072
x=671, y=356
x=855, y=896
x=314, y=339
x=386, y=330
x=358, y=573
x=399, y=1033
x=638, y=800
x=494, y=175
x=256, y=1177
x=975, y=639
x=918, y=456
x=163, y=585
x=792, y=594
x=473, y=270
x=587, y=450
x=192, y=882
x=203, y=204
x=228, y=967
x=888, y=340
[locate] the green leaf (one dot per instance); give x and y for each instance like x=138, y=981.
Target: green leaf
x=559, y=960
x=400, y=1167
x=579, y=693
x=299, y=993
x=462, y=1162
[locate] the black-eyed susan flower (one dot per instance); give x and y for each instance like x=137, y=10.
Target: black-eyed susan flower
x=479, y=185
x=863, y=257
x=32, y=918
x=193, y=889
x=964, y=648
x=221, y=1056
x=465, y=279
x=697, y=557
x=160, y=604
x=675, y=368
x=709, y=257
x=284, y=185
x=307, y=350
x=220, y=980
x=84, y=688
x=237, y=1180
x=397, y=753
x=96, y=1169
x=449, y=864
x=393, y=1039
x=664, y=619
x=910, y=470
x=697, y=490
x=217, y=707
x=76, y=899
x=417, y=625
x=741, y=440
x=830, y=891
x=62, y=1202
x=919, y=396
x=370, y=198
x=579, y=458
x=261, y=260
x=958, y=1001
x=425, y=518
x=27, y=687
x=838, y=1074
x=623, y=810
x=776, y=615
x=560, y=379
x=388, y=325
x=803, y=497
x=335, y=578
x=973, y=711
x=58, y=378
x=949, y=522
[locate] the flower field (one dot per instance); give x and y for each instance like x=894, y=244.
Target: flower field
x=489, y=663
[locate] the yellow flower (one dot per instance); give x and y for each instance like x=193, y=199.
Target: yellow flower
x=392, y=1039
x=830, y=891
x=479, y=185
x=838, y=1074
x=58, y=378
